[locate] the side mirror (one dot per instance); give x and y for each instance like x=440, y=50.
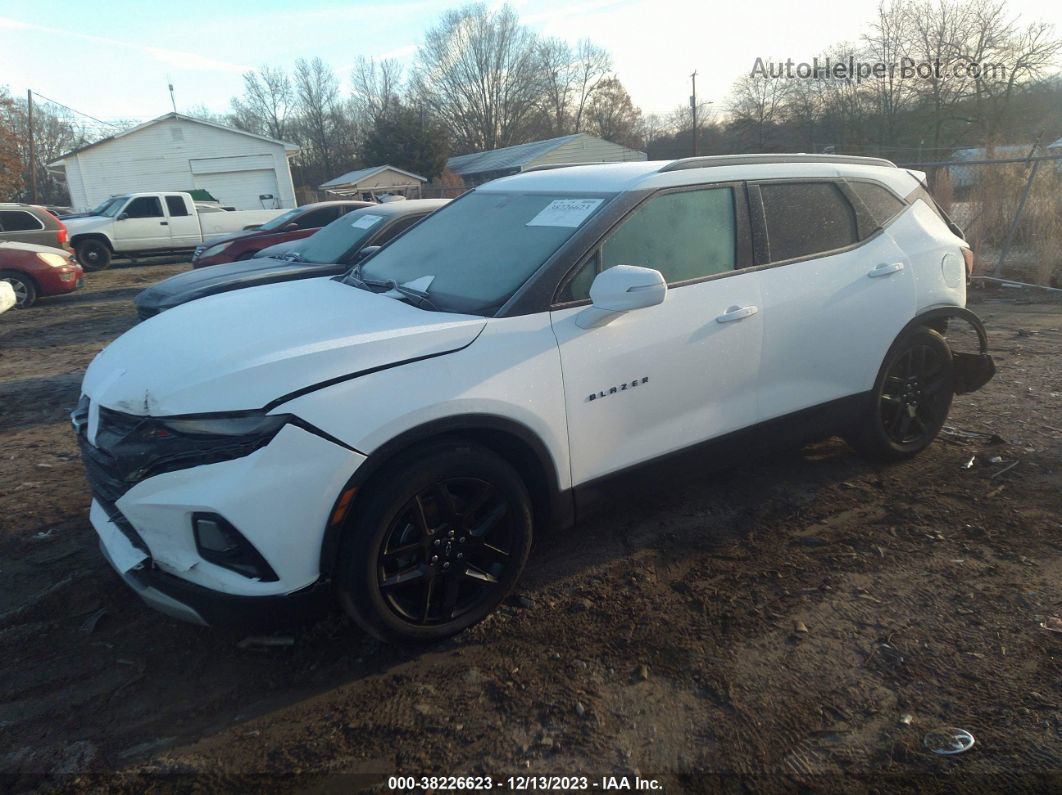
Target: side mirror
x=368, y=251
x=620, y=289
x=290, y=226
x=123, y=216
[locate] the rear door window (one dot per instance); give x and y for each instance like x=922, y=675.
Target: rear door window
x=317, y=218
x=806, y=218
x=19, y=221
x=176, y=206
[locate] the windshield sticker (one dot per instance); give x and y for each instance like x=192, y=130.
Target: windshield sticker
x=565, y=212
x=365, y=221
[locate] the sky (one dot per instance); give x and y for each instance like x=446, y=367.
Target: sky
x=114, y=59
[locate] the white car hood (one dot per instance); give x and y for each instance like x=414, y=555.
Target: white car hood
x=91, y=223
x=244, y=349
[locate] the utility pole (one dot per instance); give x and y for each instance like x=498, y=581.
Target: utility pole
x=172, y=100
x=32, y=153
x=693, y=107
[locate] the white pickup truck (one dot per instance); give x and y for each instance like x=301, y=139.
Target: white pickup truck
x=152, y=223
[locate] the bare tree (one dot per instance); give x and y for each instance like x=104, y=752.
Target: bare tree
x=572, y=77
x=611, y=115
x=888, y=43
x=317, y=97
x=266, y=103
x=479, y=72
x=376, y=87
x=756, y=105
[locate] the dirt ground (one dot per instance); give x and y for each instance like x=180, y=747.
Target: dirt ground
x=795, y=624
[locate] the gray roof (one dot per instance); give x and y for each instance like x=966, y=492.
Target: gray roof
x=354, y=177
x=507, y=159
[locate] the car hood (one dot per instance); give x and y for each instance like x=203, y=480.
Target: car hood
x=90, y=223
x=33, y=247
x=200, y=282
x=244, y=349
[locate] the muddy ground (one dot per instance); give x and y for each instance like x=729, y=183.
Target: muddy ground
x=797, y=623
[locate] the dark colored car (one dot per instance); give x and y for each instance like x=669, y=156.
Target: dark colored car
x=34, y=271
x=292, y=225
x=31, y=223
x=329, y=252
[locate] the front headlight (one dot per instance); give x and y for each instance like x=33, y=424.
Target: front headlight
x=55, y=260
x=221, y=425
x=213, y=251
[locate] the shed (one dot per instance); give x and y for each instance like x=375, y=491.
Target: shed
x=480, y=167
x=374, y=181
x=179, y=153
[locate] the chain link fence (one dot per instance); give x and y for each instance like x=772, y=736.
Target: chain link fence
x=1010, y=210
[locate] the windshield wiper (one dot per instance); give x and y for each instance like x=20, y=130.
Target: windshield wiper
x=418, y=298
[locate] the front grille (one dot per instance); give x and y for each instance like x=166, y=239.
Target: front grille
x=102, y=473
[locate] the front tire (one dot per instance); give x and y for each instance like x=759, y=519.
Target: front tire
x=910, y=400
x=24, y=287
x=438, y=541
x=94, y=255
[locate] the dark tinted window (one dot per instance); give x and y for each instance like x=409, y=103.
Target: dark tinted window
x=176, y=206
x=806, y=218
x=144, y=207
x=18, y=221
x=317, y=218
x=880, y=204
x=685, y=235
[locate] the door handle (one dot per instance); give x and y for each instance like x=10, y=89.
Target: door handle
x=164, y=223
x=884, y=269
x=737, y=313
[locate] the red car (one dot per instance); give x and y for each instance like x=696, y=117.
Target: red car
x=292, y=225
x=34, y=271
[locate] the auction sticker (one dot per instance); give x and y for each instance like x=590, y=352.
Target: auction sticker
x=565, y=212
x=365, y=221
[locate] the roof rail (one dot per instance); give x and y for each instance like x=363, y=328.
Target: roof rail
x=551, y=166
x=746, y=160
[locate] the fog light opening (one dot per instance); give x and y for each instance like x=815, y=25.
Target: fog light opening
x=218, y=542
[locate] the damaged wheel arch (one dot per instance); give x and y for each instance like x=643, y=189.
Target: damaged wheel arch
x=971, y=370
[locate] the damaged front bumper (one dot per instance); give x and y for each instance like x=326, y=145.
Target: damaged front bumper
x=276, y=499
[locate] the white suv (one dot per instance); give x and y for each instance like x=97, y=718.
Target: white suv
x=393, y=435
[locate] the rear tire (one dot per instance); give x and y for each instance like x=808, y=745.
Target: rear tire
x=910, y=400
x=24, y=287
x=439, y=539
x=94, y=255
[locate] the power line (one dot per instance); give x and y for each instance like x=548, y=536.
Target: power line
x=112, y=125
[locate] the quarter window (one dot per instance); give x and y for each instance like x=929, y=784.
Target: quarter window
x=880, y=204
x=18, y=221
x=144, y=207
x=176, y=206
x=685, y=235
x=805, y=218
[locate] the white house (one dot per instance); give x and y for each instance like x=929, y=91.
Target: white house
x=175, y=152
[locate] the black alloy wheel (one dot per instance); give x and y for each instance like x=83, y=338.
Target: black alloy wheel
x=911, y=398
x=93, y=255
x=436, y=540
x=447, y=551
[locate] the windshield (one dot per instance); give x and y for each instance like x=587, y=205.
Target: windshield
x=280, y=221
x=109, y=207
x=331, y=243
x=482, y=247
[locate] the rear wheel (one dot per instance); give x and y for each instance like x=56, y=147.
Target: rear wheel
x=94, y=255
x=911, y=398
x=437, y=544
x=24, y=287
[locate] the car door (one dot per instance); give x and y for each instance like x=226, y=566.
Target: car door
x=834, y=296
x=142, y=225
x=663, y=378
x=184, y=223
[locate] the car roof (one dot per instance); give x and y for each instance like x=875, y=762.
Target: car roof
x=408, y=207
x=653, y=174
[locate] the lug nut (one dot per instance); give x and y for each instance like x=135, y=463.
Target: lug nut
x=460, y=555
x=446, y=565
x=434, y=558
